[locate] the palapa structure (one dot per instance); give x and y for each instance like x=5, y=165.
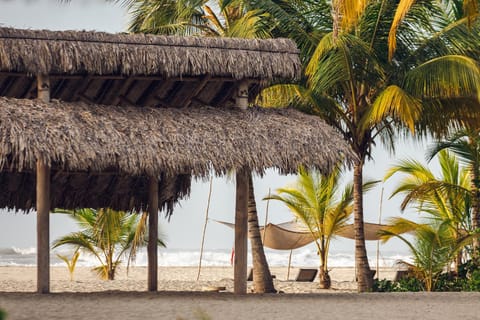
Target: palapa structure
x=92, y=119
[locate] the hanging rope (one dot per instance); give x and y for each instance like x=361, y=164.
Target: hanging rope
x=378, y=241
x=204, y=228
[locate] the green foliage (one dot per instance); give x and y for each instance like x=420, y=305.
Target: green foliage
x=71, y=263
x=433, y=248
x=108, y=235
x=467, y=279
x=231, y=18
x=446, y=203
x=384, y=285
x=473, y=282
x=3, y=314
x=407, y=284
x=447, y=281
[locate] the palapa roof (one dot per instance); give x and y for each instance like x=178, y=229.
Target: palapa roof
x=141, y=70
x=83, y=140
x=127, y=107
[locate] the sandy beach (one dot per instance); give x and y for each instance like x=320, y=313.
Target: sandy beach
x=180, y=296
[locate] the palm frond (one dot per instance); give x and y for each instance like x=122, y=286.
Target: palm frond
x=394, y=103
x=400, y=13
x=445, y=77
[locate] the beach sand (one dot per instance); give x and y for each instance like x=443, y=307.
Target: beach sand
x=180, y=296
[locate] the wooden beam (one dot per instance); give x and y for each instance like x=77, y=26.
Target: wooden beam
x=84, y=98
x=196, y=91
x=224, y=95
x=125, y=101
x=80, y=90
x=153, y=96
x=123, y=91
x=200, y=102
x=164, y=103
x=152, y=234
x=29, y=92
x=43, y=205
x=241, y=232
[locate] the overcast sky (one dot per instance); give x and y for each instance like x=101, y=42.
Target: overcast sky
x=185, y=227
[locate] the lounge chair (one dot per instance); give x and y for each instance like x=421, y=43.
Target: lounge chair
x=250, y=275
x=306, y=275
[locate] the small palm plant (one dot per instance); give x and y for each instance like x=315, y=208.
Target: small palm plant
x=108, y=235
x=315, y=203
x=71, y=263
x=444, y=199
x=433, y=248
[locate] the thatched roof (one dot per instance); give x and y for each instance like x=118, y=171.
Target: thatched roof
x=80, y=141
x=141, y=70
x=74, y=52
x=151, y=141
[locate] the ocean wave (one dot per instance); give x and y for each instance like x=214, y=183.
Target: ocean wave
x=25, y=251
x=175, y=257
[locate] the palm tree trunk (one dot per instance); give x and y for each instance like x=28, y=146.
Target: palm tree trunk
x=365, y=280
x=262, y=279
x=475, y=210
x=325, y=281
x=336, y=18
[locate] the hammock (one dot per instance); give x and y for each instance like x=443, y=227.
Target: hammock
x=292, y=235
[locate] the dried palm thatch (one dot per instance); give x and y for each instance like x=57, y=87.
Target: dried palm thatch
x=74, y=52
x=151, y=141
x=102, y=156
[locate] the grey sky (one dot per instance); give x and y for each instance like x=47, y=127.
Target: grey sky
x=185, y=227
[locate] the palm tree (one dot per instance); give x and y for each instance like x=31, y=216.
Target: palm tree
x=352, y=84
x=315, y=202
x=232, y=19
x=106, y=234
x=433, y=249
x=197, y=17
x=466, y=145
x=262, y=278
x=444, y=200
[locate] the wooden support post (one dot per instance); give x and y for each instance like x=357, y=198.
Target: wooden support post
x=43, y=87
x=241, y=232
x=152, y=234
x=242, y=95
x=43, y=205
x=43, y=227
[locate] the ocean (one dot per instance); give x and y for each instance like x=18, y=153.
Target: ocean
x=303, y=257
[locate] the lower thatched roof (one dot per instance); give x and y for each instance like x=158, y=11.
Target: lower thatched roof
x=149, y=141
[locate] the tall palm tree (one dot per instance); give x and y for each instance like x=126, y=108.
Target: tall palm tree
x=262, y=278
x=106, y=234
x=352, y=84
x=466, y=145
x=316, y=203
x=445, y=199
x=230, y=18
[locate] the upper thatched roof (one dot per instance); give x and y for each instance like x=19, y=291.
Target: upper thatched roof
x=141, y=70
x=74, y=52
x=152, y=141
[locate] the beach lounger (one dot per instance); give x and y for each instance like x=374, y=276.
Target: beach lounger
x=306, y=275
x=250, y=275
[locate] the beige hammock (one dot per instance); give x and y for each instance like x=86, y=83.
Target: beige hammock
x=293, y=235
